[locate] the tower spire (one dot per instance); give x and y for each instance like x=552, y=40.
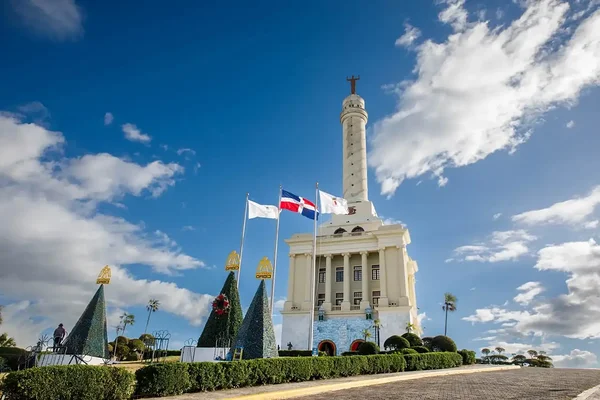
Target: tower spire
x=353, y=83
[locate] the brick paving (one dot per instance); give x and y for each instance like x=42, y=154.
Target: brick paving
x=521, y=384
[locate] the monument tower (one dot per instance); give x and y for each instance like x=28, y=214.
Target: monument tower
x=363, y=271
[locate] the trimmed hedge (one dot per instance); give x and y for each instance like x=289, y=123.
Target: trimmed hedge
x=420, y=349
x=443, y=343
x=176, y=378
x=468, y=356
x=439, y=360
x=413, y=339
x=13, y=355
x=299, y=353
x=69, y=382
x=368, y=348
x=396, y=342
x=409, y=351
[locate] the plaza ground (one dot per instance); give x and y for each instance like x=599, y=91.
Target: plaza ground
x=520, y=383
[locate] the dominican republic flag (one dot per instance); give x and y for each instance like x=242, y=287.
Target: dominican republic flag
x=297, y=204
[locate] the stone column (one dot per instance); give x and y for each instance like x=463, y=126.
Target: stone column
x=328, y=280
x=364, y=303
x=404, y=299
x=346, y=302
x=383, y=300
x=308, y=276
x=291, y=282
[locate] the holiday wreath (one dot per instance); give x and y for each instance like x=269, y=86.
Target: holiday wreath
x=220, y=305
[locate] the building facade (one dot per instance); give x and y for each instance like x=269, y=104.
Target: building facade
x=362, y=265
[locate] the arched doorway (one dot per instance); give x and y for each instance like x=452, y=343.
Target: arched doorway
x=328, y=347
x=355, y=344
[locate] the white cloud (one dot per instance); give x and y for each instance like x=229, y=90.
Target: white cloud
x=447, y=119
x=392, y=221
x=133, y=134
x=185, y=150
x=575, y=359
x=501, y=246
x=410, y=35
x=497, y=215
x=278, y=329
x=54, y=239
x=573, y=211
x=528, y=291
x=56, y=19
x=108, y=118
x=591, y=224
x=570, y=124
x=499, y=13
x=188, y=228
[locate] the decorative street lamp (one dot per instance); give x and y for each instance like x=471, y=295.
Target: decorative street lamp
x=321, y=313
x=369, y=313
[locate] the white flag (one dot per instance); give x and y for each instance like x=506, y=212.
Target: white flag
x=256, y=210
x=331, y=204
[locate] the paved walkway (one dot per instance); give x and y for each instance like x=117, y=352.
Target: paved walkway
x=294, y=389
x=521, y=384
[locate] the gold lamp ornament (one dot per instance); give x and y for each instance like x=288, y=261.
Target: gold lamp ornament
x=264, y=269
x=233, y=261
x=104, y=276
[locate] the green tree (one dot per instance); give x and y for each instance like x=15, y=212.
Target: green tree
x=532, y=353
x=486, y=354
x=1, y=307
x=449, y=306
x=366, y=334
x=6, y=341
x=499, y=350
x=127, y=319
x=377, y=327
x=409, y=327
x=519, y=359
x=152, y=306
x=148, y=339
x=225, y=327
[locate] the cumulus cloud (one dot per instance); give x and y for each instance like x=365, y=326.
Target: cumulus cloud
x=575, y=359
x=528, y=291
x=54, y=239
x=570, y=124
x=108, y=118
x=500, y=246
x=56, y=19
x=497, y=215
x=574, y=211
x=133, y=134
x=445, y=118
x=410, y=35
x=186, y=151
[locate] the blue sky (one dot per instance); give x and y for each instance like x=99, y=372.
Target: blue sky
x=470, y=116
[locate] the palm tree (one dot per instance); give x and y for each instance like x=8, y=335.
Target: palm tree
x=1, y=307
x=376, y=328
x=366, y=334
x=6, y=341
x=127, y=319
x=409, y=327
x=152, y=306
x=449, y=305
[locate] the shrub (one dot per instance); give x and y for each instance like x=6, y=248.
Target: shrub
x=368, y=348
x=122, y=340
x=420, y=349
x=4, y=365
x=443, y=343
x=13, y=356
x=409, y=351
x=439, y=360
x=427, y=342
x=81, y=382
x=147, y=339
x=137, y=345
x=167, y=379
x=295, y=353
x=468, y=356
x=350, y=353
x=413, y=339
x=396, y=343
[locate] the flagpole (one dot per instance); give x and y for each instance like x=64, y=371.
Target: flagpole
x=275, y=256
x=312, y=277
x=242, y=243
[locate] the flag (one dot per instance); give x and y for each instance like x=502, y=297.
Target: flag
x=256, y=210
x=297, y=204
x=332, y=205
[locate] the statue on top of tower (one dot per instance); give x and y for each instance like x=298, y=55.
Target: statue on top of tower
x=353, y=83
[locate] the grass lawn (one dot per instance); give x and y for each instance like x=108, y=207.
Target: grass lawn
x=133, y=366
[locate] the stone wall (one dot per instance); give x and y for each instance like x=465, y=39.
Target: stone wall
x=342, y=331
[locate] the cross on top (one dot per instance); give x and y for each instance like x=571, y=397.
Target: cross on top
x=353, y=83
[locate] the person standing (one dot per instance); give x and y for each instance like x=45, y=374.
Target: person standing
x=59, y=335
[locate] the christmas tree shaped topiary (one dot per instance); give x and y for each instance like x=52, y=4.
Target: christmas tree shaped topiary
x=89, y=336
x=225, y=318
x=257, y=336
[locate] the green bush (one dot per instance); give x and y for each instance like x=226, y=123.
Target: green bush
x=4, y=365
x=69, y=382
x=350, y=353
x=176, y=378
x=396, y=343
x=413, y=339
x=439, y=360
x=443, y=343
x=13, y=355
x=167, y=379
x=295, y=353
x=420, y=349
x=368, y=348
x=427, y=342
x=409, y=351
x=468, y=356
x=136, y=345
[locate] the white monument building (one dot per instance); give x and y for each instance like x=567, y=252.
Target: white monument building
x=362, y=266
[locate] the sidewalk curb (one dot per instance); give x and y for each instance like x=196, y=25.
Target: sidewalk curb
x=588, y=393
x=291, y=393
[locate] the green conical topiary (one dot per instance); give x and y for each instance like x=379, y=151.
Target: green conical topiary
x=223, y=329
x=257, y=336
x=89, y=336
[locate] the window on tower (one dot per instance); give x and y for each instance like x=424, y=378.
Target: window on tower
x=357, y=298
x=375, y=272
x=321, y=299
x=358, y=273
x=339, y=231
x=339, y=274
x=339, y=297
x=321, y=275
x=376, y=294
